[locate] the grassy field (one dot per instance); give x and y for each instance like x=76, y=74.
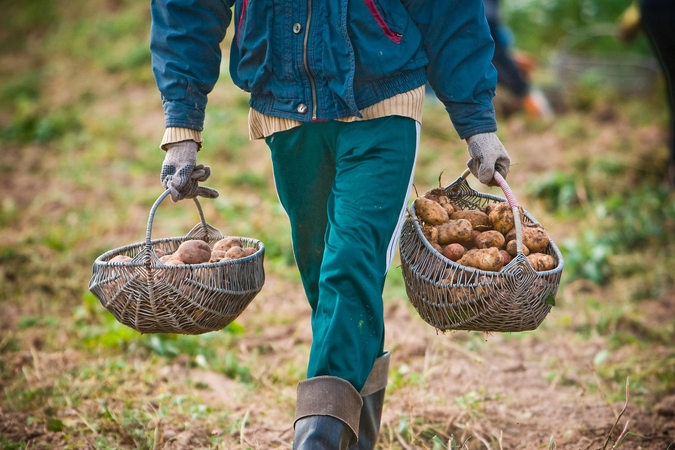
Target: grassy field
x=80, y=123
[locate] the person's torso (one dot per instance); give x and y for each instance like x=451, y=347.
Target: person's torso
x=324, y=59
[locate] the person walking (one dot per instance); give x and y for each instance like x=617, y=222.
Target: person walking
x=510, y=73
x=336, y=91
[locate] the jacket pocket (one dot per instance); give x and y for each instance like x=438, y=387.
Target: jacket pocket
x=389, y=31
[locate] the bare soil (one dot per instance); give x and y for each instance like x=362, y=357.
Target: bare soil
x=500, y=391
x=509, y=400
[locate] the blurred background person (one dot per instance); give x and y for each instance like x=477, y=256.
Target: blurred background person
x=657, y=19
x=514, y=68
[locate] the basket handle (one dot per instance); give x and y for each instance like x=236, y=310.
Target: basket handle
x=511, y=199
x=151, y=218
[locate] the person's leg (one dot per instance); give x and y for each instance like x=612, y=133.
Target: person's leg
x=374, y=167
x=366, y=189
x=328, y=408
x=304, y=170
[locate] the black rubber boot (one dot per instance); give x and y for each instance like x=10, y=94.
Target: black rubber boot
x=373, y=400
x=321, y=433
x=326, y=414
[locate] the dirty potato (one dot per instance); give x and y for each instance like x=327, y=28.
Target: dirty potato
x=490, y=238
x=454, y=231
x=430, y=233
x=120, y=259
x=478, y=219
x=541, y=261
x=217, y=256
x=453, y=251
x=227, y=243
x=488, y=259
x=512, y=248
x=193, y=251
x=430, y=212
x=235, y=253
x=501, y=217
x=535, y=238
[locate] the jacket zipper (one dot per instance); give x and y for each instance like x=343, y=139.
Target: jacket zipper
x=304, y=58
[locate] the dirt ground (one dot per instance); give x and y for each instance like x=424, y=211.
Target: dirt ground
x=504, y=379
x=473, y=387
x=521, y=407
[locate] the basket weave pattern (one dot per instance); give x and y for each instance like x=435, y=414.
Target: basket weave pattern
x=151, y=297
x=450, y=296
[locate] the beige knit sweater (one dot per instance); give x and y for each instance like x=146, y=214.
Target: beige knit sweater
x=407, y=104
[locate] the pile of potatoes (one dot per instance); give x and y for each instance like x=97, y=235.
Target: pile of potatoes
x=484, y=238
x=196, y=251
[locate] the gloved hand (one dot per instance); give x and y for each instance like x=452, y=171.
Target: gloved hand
x=182, y=174
x=487, y=155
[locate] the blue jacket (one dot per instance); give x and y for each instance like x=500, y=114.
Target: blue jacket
x=324, y=59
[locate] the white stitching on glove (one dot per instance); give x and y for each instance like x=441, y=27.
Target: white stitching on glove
x=487, y=155
x=182, y=174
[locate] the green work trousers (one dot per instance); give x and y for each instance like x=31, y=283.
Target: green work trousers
x=345, y=187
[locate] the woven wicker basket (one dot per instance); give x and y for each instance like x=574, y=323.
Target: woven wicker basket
x=450, y=296
x=151, y=297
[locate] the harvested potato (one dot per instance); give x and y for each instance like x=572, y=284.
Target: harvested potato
x=507, y=257
x=535, y=238
x=165, y=258
x=436, y=193
x=430, y=212
x=173, y=262
x=510, y=235
x=454, y=231
x=453, y=251
x=512, y=248
x=541, y=261
x=484, y=259
x=217, y=256
x=120, y=259
x=478, y=219
x=490, y=238
x=193, y=251
x=227, y=243
x=235, y=253
x=430, y=233
x=444, y=201
x=501, y=217
x=248, y=251
x=159, y=252
x=471, y=243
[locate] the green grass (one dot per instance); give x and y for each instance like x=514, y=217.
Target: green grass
x=80, y=122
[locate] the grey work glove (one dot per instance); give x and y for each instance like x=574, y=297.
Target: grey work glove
x=182, y=174
x=487, y=155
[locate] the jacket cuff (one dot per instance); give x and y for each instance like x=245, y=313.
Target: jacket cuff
x=176, y=134
x=182, y=114
x=473, y=119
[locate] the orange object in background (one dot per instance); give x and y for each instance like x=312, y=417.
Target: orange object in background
x=536, y=105
x=525, y=63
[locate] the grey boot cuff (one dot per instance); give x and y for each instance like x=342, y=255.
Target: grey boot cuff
x=330, y=396
x=379, y=375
